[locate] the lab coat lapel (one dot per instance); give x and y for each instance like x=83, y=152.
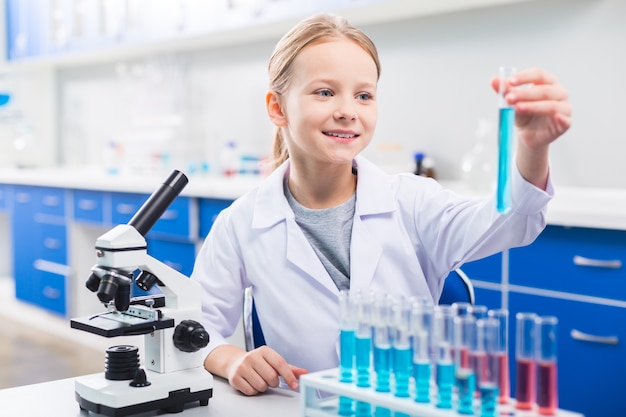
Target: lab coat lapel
x=374, y=198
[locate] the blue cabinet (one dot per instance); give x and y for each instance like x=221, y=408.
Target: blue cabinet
x=209, y=209
x=3, y=197
x=486, y=269
x=89, y=207
x=573, y=260
x=39, y=237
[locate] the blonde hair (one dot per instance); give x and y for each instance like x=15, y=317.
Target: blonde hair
x=315, y=29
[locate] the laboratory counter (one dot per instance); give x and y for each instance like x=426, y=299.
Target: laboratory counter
x=601, y=208
x=56, y=399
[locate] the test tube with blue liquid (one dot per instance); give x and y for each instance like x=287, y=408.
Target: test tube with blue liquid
x=402, y=355
x=506, y=131
x=525, y=378
x=381, y=323
x=464, y=336
x=421, y=320
x=487, y=333
x=363, y=346
x=443, y=344
x=502, y=353
x=546, y=354
x=347, y=342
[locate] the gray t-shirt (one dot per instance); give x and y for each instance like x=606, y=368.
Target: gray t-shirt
x=329, y=232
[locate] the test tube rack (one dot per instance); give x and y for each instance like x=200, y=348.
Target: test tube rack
x=312, y=404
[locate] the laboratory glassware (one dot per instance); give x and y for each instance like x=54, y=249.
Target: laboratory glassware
x=443, y=343
x=464, y=339
x=546, y=343
x=502, y=353
x=488, y=339
x=506, y=130
x=462, y=308
x=402, y=355
x=526, y=381
x=421, y=319
x=347, y=342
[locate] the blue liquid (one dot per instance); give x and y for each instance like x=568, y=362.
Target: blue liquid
x=363, y=353
x=363, y=409
x=445, y=383
x=382, y=366
x=466, y=385
x=505, y=144
x=402, y=369
x=421, y=373
x=488, y=399
x=346, y=406
x=346, y=355
x=382, y=412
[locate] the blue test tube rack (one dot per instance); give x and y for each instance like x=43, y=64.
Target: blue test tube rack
x=327, y=405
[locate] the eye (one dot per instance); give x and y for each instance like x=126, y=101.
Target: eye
x=324, y=93
x=364, y=96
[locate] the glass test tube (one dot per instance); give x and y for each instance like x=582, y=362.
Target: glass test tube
x=382, y=341
x=547, y=392
x=364, y=303
x=347, y=341
x=506, y=132
x=525, y=381
x=363, y=339
x=464, y=335
x=443, y=342
x=421, y=317
x=402, y=356
x=502, y=353
x=487, y=334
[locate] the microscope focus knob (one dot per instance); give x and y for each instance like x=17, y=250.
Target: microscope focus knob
x=190, y=336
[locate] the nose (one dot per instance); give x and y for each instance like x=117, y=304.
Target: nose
x=346, y=111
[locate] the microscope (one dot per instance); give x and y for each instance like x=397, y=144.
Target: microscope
x=174, y=374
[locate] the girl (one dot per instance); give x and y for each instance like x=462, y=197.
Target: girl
x=327, y=219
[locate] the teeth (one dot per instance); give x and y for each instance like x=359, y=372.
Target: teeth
x=340, y=135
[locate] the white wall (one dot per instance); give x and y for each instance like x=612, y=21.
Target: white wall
x=434, y=88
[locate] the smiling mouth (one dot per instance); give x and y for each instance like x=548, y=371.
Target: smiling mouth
x=341, y=135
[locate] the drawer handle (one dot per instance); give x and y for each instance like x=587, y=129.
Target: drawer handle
x=597, y=263
x=51, y=293
x=170, y=215
x=87, y=205
x=585, y=337
x=125, y=208
x=51, y=201
x=50, y=243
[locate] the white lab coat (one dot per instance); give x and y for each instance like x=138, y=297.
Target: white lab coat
x=408, y=234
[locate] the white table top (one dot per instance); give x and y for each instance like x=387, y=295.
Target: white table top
x=56, y=399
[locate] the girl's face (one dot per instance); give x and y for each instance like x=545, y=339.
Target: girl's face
x=329, y=109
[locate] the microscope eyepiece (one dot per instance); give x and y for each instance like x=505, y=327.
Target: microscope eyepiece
x=93, y=282
x=158, y=202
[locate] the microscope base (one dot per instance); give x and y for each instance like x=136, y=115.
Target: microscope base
x=168, y=392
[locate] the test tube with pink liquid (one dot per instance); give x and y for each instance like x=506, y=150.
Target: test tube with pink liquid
x=546, y=354
x=526, y=380
x=502, y=353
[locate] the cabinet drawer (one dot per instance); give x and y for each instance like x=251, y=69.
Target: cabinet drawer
x=589, y=373
x=124, y=206
x=178, y=255
x=176, y=220
x=488, y=297
x=209, y=209
x=51, y=243
x=50, y=201
x=50, y=292
x=89, y=206
x=556, y=261
x=486, y=269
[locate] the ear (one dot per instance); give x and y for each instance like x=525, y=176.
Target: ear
x=275, y=109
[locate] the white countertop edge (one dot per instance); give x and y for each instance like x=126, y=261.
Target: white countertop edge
x=571, y=206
